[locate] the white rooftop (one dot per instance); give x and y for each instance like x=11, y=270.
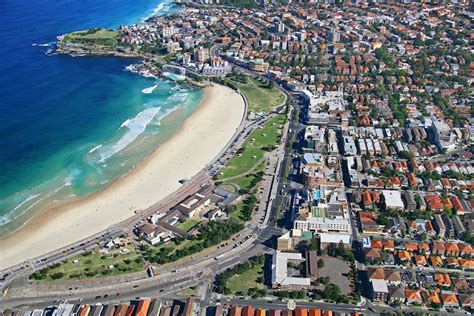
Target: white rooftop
x=379, y=286
x=280, y=270
x=335, y=238
x=393, y=198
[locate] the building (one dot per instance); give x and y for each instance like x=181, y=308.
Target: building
x=201, y=55
x=334, y=35
x=393, y=200
x=443, y=136
x=438, y=224
x=280, y=277
x=153, y=234
x=285, y=242
x=379, y=290
x=188, y=307
x=334, y=239
x=322, y=225
x=311, y=265
x=258, y=65
x=196, y=203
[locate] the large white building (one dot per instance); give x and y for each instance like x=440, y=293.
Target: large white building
x=323, y=225
x=280, y=277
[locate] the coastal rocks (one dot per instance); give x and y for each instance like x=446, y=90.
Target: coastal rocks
x=81, y=49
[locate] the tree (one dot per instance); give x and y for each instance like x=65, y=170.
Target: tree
x=320, y=263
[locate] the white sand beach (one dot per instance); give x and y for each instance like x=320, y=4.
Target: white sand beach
x=203, y=135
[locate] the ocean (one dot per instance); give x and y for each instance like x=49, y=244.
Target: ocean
x=71, y=125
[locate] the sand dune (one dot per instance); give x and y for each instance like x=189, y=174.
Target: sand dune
x=200, y=139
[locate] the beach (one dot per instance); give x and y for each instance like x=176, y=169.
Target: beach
x=199, y=140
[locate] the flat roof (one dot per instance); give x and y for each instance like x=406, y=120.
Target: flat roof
x=335, y=238
x=379, y=285
x=393, y=198
x=280, y=269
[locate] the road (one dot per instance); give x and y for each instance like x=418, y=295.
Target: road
x=191, y=271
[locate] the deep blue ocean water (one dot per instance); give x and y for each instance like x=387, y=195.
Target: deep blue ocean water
x=68, y=125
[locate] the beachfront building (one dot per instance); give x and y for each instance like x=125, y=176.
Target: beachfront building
x=194, y=204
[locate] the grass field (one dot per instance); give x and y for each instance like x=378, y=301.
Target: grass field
x=95, y=264
x=261, y=96
x=240, y=283
x=188, y=225
x=237, y=213
x=99, y=36
x=268, y=135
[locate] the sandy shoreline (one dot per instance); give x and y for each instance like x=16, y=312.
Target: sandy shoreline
x=198, y=141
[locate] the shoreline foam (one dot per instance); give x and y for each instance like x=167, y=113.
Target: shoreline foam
x=201, y=137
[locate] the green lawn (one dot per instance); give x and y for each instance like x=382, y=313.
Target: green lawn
x=237, y=213
x=188, y=225
x=260, y=96
x=94, y=264
x=99, y=36
x=268, y=135
x=249, y=279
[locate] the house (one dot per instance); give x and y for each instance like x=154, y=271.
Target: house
x=404, y=256
x=448, y=223
x=413, y=296
x=412, y=247
x=466, y=263
x=451, y=249
x=449, y=300
x=438, y=248
x=430, y=297
x=376, y=244
x=410, y=203
x=466, y=300
x=379, y=290
x=465, y=250
x=425, y=278
x=376, y=274
x=393, y=277
x=420, y=260
x=461, y=284
x=372, y=254
x=436, y=261
x=458, y=226
x=396, y=225
x=423, y=248
x=396, y=293
x=457, y=205
x=439, y=225
x=452, y=262
x=442, y=279
x=388, y=245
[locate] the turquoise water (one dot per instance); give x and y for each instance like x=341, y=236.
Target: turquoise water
x=70, y=125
